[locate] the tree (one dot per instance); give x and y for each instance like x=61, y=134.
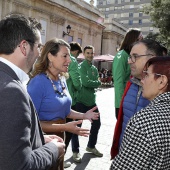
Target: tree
x=157, y=37
x=159, y=11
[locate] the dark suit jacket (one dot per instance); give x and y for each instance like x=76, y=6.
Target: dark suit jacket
x=21, y=140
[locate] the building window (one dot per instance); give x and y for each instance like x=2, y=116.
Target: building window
x=107, y=9
x=101, y=3
x=115, y=7
x=140, y=21
x=70, y=39
x=108, y=1
x=131, y=0
x=123, y=7
x=130, y=22
x=79, y=40
x=131, y=6
x=106, y=16
x=130, y=14
x=116, y=1
x=121, y=15
x=122, y=0
x=151, y=29
x=140, y=14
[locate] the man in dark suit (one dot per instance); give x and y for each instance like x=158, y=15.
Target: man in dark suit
x=22, y=144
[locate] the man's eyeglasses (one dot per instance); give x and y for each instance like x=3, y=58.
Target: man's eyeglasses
x=145, y=74
x=40, y=46
x=134, y=56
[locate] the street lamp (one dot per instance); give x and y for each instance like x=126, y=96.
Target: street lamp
x=68, y=30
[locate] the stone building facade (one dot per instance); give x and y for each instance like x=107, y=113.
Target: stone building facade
x=88, y=26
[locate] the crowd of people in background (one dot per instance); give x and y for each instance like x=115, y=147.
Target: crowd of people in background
x=105, y=76
x=45, y=93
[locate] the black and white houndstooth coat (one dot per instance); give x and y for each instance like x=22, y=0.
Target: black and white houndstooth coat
x=146, y=143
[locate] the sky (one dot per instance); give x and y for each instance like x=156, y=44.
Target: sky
x=89, y=1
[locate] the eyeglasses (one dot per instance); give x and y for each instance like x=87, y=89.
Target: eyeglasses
x=145, y=74
x=134, y=56
x=40, y=46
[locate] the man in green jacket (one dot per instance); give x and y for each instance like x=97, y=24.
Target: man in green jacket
x=74, y=81
x=86, y=100
x=74, y=85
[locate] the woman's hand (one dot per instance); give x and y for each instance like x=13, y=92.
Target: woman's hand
x=91, y=115
x=73, y=128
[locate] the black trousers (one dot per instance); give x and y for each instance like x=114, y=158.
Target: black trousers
x=95, y=126
x=68, y=135
x=116, y=112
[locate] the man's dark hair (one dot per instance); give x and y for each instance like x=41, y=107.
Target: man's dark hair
x=153, y=47
x=88, y=47
x=75, y=46
x=14, y=28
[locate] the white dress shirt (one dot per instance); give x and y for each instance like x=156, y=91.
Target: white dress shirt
x=24, y=78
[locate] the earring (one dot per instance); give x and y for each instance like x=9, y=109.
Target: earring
x=50, y=64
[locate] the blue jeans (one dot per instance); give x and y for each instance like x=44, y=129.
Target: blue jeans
x=95, y=126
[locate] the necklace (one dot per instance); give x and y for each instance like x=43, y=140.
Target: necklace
x=54, y=86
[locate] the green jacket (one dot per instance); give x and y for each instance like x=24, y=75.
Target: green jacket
x=90, y=80
x=74, y=81
x=121, y=74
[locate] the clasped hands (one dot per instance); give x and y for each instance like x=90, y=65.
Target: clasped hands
x=57, y=141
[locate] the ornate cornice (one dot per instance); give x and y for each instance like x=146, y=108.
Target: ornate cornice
x=57, y=19
x=53, y=17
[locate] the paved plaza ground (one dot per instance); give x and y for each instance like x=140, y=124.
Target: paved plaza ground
x=105, y=102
